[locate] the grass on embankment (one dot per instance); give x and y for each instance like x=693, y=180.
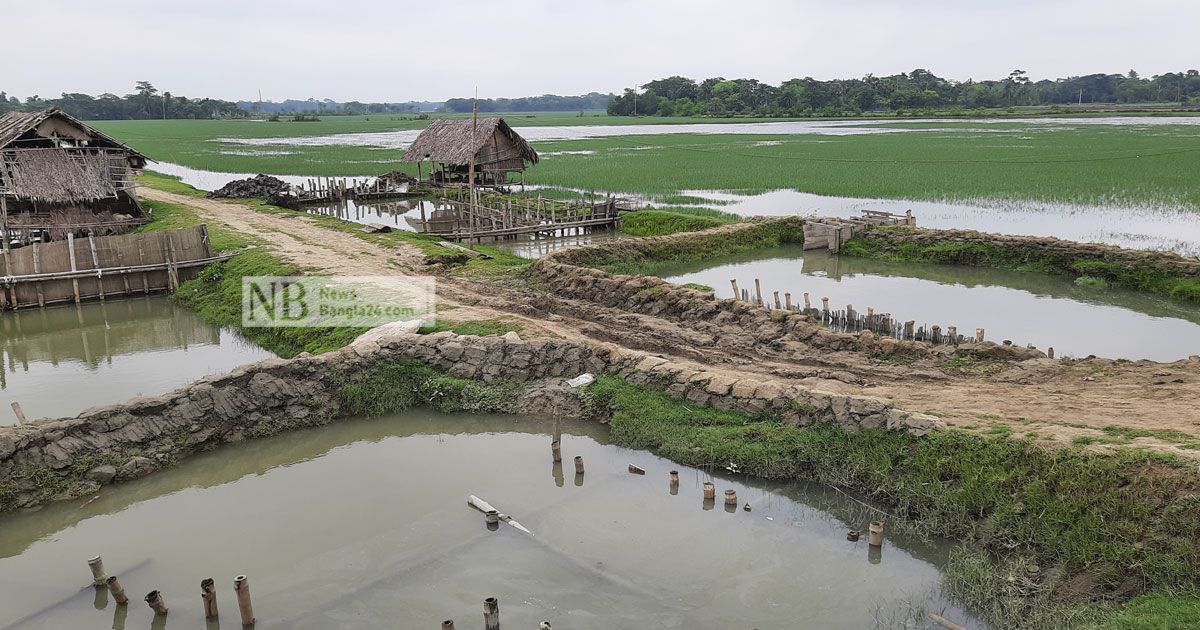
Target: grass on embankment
x=661, y=222
x=1117, y=524
x=1085, y=271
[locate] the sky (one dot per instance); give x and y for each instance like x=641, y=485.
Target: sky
x=395, y=51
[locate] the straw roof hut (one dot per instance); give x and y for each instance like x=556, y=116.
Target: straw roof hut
x=59, y=175
x=497, y=149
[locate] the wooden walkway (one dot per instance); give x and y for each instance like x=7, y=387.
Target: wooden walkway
x=514, y=217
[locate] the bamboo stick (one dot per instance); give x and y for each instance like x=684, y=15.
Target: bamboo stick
x=241, y=586
x=491, y=614
x=116, y=590
x=208, y=596
x=96, y=563
x=156, y=602
x=74, y=267
x=16, y=407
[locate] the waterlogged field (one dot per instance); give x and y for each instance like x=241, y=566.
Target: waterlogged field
x=1099, y=161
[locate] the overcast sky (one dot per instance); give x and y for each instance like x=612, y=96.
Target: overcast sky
x=393, y=50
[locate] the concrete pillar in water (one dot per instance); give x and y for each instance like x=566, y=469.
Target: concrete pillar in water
x=875, y=534
x=156, y=602
x=116, y=590
x=208, y=597
x=99, y=577
x=491, y=614
x=241, y=586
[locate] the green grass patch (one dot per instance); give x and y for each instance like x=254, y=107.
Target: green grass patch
x=703, y=288
x=1088, y=272
x=1111, y=517
x=662, y=222
x=389, y=387
x=478, y=327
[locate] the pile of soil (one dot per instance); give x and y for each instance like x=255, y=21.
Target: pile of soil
x=256, y=187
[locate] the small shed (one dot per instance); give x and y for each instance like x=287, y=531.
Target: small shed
x=59, y=176
x=451, y=143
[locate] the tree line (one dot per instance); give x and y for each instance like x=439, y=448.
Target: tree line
x=145, y=102
x=543, y=103
x=916, y=90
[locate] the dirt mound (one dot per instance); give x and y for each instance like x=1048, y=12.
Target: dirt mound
x=259, y=186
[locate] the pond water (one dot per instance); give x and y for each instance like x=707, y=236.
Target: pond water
x=61, y=360
x=1045, y=310
x=1165, y=228
x=364, y=524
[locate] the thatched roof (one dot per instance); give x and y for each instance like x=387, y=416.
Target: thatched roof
x=62, y=175
x=14, y=125
x=454, y=141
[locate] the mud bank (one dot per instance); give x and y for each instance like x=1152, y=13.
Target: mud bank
x=58, y=459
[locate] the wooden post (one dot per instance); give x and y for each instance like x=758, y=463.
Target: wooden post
x=637, y=470
x=758, y=292
x=156, y=602
x=556, y=451
x=491, y=614
x=1050, y=352
x=241, y=586
x=449, y=623
x=674, y=476
x=74, y=267
x=731, y=497
x=777, y=305
x=978, y=335
x=16, y=407
x=908, y=328
x=4, y=223
x=825, y=306
x=96, y=265
x=208, y=596
x=952, y=334
x=807, y=302
x=787, y=297
x=96, y=564
x=710, y=490
x=116, y=590
x=172, y=270
x=578, y=464
x=737, y=295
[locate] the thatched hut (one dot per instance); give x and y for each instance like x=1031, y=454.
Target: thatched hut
x=59, y=176
x=450, y=145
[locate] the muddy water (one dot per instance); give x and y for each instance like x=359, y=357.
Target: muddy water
x=1045, y=310
x=364, y=524
x=61, y=360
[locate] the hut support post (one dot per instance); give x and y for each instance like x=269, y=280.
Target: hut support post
x=4, y=226
x=71, y=250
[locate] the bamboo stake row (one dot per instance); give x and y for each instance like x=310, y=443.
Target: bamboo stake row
x=158, y=603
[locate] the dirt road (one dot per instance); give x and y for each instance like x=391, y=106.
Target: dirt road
x=1154, y=405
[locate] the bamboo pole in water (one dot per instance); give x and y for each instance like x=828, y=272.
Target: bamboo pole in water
x=491, y=614
x=156, y=602
x=96, y=564
x=116, y=590
x=208, y=596
x=241, y=586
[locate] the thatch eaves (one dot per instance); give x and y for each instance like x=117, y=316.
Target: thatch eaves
x=15, y=127
x=456, y=141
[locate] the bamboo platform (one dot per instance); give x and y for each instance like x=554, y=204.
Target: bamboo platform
x=101, y=267
x=833, y=232
x=500, y=219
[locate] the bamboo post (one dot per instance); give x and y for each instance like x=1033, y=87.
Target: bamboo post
x=1050, y=352
x=556, y=451
x=637, y=470
x=952, y=334
x=449, y=623
x=96, y=266
x=736, y=294
x=96, y=564
x=710, y=490
x=908, y=328
x=156, y=602
x=116, y=590
x=16, y=407
x=777, y=305
x=758, y=292
x=674, y=476
x=875, y=534
x=172, y=270
x=807, y=302
x=787, y=297
x=4, y=224
x=731, y=497
x=37, y=268
x=74, y=267
x=241, y=586
x=491, y=614
x=578, y=464
x=825, y=306
x=978, y=335
x=208, y=596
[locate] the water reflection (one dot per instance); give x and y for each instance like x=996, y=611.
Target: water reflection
x=59, y=360
x=363, y=522
x=1045, y=310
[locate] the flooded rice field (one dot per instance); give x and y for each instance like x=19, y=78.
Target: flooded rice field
x=1163, y=227
x=1045, y=310
x=58, y=361
x=543, y=133
x=364, y=524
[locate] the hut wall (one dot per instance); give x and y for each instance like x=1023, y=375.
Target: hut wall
x=500, y=154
